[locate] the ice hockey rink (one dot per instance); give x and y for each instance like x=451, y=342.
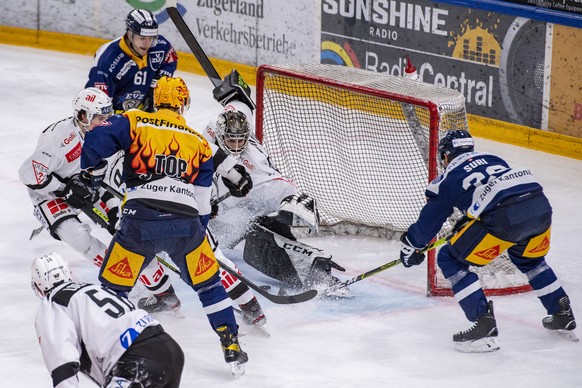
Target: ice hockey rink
x=388, y=335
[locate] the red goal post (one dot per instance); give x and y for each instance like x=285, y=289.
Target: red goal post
x=364, y=144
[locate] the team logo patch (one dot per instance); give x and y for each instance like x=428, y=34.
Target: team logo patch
x=40, y=171
x=121, y=269
x=156, y=58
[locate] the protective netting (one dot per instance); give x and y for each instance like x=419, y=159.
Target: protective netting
x=362, y=143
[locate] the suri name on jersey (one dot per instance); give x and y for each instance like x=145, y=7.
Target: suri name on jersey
x=474, y=183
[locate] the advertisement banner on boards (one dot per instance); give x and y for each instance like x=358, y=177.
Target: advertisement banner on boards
x=496, y=61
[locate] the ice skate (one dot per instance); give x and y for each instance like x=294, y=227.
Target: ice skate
x=233, y=354
x=562, y=322
x=164, y=302
x=252, y=313
x=481, y=337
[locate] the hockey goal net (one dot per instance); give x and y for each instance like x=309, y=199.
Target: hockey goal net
x=364, y=144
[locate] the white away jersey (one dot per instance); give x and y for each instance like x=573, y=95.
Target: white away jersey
x=269, y=188
x=57, y=153
x=89, y=325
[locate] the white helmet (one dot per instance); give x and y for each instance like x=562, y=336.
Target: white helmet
x=47, y=272
x=92, y=101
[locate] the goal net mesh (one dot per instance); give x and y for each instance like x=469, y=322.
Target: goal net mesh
x=362, y=143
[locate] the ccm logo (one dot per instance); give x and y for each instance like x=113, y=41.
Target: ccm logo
x=131, y=212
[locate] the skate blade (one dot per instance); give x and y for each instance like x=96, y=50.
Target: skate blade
x=483, y=345
x=570, y=335
x=237, y=369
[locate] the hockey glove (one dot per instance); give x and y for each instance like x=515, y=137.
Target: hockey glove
x=238, y=182
x=113, y=220
x=409, y=254
x=78, y=193
x=233, y=87
x=96, y=174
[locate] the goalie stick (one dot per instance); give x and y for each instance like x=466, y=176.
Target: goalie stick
x=278, y=299
x=390, y=264
x=192, y=43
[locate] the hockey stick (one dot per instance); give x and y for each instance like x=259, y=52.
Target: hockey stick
x=192, y=43
x=390, y=264
x=35, y=232
x=278, y=299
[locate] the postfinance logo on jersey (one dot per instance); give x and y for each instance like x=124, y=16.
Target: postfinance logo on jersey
x=122, y=266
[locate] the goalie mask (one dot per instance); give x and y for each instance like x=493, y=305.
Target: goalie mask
x=92, y=102
x=47, y=272
x=233, y=129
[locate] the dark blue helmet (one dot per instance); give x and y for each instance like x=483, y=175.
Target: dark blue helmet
x=142, y=22
x=455, y=143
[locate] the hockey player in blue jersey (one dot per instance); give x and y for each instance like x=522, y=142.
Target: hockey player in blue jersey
x=505, y=209
x=127, y=68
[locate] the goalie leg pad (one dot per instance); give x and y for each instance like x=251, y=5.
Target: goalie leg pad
x=262, y=252
x=299, y=210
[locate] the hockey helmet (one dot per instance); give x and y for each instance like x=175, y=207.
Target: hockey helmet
x=142, y=22
x=233, y=128
x=47, y=272
x=172, y=93
x=455, y=143
x=92, y=101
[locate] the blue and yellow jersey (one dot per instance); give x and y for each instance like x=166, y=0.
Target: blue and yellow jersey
x=165, y=160
x=127, y=78
x=474, y=183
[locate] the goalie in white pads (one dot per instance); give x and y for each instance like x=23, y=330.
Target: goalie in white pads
x=59, y=193
x=265, y=216
x=89, y=329
x=506, y=209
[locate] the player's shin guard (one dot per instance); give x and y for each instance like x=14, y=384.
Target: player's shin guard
x=164, y=298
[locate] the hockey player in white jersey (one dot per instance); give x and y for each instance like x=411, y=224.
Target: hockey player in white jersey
x=89, y=329
x=58, y=194
x=264, y=217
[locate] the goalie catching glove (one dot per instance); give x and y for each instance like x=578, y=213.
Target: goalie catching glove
x=299, y=210
x=238, y=181
x=78, y=192
x=409, y=254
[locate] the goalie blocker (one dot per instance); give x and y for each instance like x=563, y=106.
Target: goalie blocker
x=233, y=87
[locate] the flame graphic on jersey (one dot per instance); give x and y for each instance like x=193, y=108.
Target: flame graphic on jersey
x=489, y=253
x=204, y=264
x=121, y=269
x=543, y=246
x=145, y=148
